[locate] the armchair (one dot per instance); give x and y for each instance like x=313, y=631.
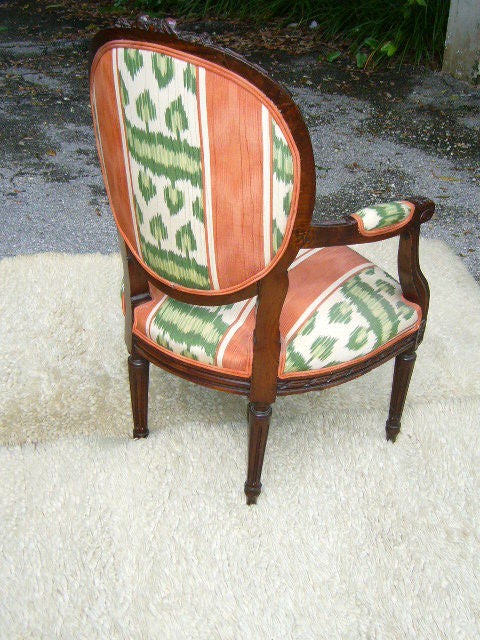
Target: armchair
x=209, y=171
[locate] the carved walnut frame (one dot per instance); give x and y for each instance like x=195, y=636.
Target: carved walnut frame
x=264, y=384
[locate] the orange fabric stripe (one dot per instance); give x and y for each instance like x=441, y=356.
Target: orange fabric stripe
x=109, y=140
x=236, y=151
x=270, y=239
x=141, y=314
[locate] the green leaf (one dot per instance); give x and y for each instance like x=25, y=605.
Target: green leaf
x=371, y=42
x=334, y=55
x=389, y=49
x=407, y=9
x=361, y=59
x=422, y=3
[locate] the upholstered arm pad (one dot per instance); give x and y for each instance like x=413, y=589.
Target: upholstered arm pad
x=370, y=224
x=380, y=218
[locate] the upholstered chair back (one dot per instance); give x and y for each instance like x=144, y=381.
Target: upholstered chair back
x=201, y=169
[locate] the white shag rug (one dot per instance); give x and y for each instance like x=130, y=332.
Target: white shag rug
x=353, y=537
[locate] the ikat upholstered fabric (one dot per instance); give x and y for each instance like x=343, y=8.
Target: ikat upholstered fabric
x=339, y=308
x=209, y=171
x=376, y=218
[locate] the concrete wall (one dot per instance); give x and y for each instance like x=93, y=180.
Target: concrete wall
x=462, y=45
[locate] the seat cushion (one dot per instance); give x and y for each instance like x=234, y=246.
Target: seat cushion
x=339, y=308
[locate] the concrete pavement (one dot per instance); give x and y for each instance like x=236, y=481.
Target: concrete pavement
x=376, y=137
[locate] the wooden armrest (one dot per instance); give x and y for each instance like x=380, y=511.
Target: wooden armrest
x=413, y=282
x=331, y=234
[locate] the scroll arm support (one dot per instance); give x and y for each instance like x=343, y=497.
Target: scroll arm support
x=413, y=282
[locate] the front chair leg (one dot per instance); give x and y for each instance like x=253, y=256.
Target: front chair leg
x=259, y=420
x=401, y=379
x=138, y=370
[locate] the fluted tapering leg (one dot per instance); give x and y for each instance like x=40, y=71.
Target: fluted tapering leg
x=138, y=372
x=259, y=421
x=404, y=364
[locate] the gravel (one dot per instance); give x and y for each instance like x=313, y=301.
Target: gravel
x=376, y=137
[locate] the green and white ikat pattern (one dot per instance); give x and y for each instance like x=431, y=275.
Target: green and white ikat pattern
x=364, y=313
x=282, y=186
x=158, y=97
x=195, y=332
x=379, y=216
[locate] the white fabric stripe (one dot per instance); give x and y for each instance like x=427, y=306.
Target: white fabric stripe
x=233, y=329
x=152, y=313
x=308, y=254
x=267, y=173
x=124, y=146
x=207, y=187
x=311, y=308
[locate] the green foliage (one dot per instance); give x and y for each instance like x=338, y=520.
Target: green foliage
x=150, y=5
x=333, y=55
x=389, y=49
x=382, y=29
x=361, y=59
x=375, y=29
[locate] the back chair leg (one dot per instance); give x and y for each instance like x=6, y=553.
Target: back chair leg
x=138, y=372
x=259, y=421
x=404, y=364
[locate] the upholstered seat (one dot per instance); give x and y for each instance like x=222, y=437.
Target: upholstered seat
x=339, y=308
x=210, y=174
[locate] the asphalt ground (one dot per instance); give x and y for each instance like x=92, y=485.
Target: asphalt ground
x=377, y=136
